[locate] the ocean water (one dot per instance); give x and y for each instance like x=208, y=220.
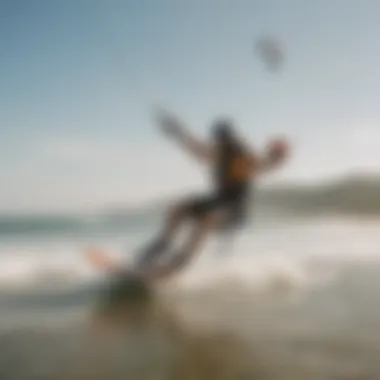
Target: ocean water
x=296, y=297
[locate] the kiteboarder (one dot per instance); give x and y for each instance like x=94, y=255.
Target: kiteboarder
x=235, y=166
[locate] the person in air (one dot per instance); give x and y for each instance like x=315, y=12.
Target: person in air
x=234, y=168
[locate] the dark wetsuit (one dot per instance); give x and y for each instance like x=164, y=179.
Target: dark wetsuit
x=232, y=186
x=232, y=174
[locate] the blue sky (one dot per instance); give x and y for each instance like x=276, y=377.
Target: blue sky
x=79, y=78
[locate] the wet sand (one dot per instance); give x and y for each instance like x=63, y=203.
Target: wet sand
x=227, y=331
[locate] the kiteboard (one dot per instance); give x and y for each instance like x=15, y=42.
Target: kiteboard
x=124, y=286
x=105, y=261
x=101, y=259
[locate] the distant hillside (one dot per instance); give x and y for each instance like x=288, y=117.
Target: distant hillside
x=355, y=195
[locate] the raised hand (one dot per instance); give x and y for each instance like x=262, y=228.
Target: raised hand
x=168, y=123
x=278, y=150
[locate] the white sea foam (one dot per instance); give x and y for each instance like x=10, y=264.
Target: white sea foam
x=294, y=254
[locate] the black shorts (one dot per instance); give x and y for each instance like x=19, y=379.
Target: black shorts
x=233, y=202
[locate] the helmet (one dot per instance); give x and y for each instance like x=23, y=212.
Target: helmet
x=223, y=130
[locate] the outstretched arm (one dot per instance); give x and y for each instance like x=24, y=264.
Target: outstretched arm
x=253, y=164
x=274, y=157
x=268, y=163
x=175, y=129
x=194, y=146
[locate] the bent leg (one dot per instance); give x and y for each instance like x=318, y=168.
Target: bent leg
x=153, y=251
x=200, y=232
x=174, y=221
x=198, y=236
x=192, y=208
